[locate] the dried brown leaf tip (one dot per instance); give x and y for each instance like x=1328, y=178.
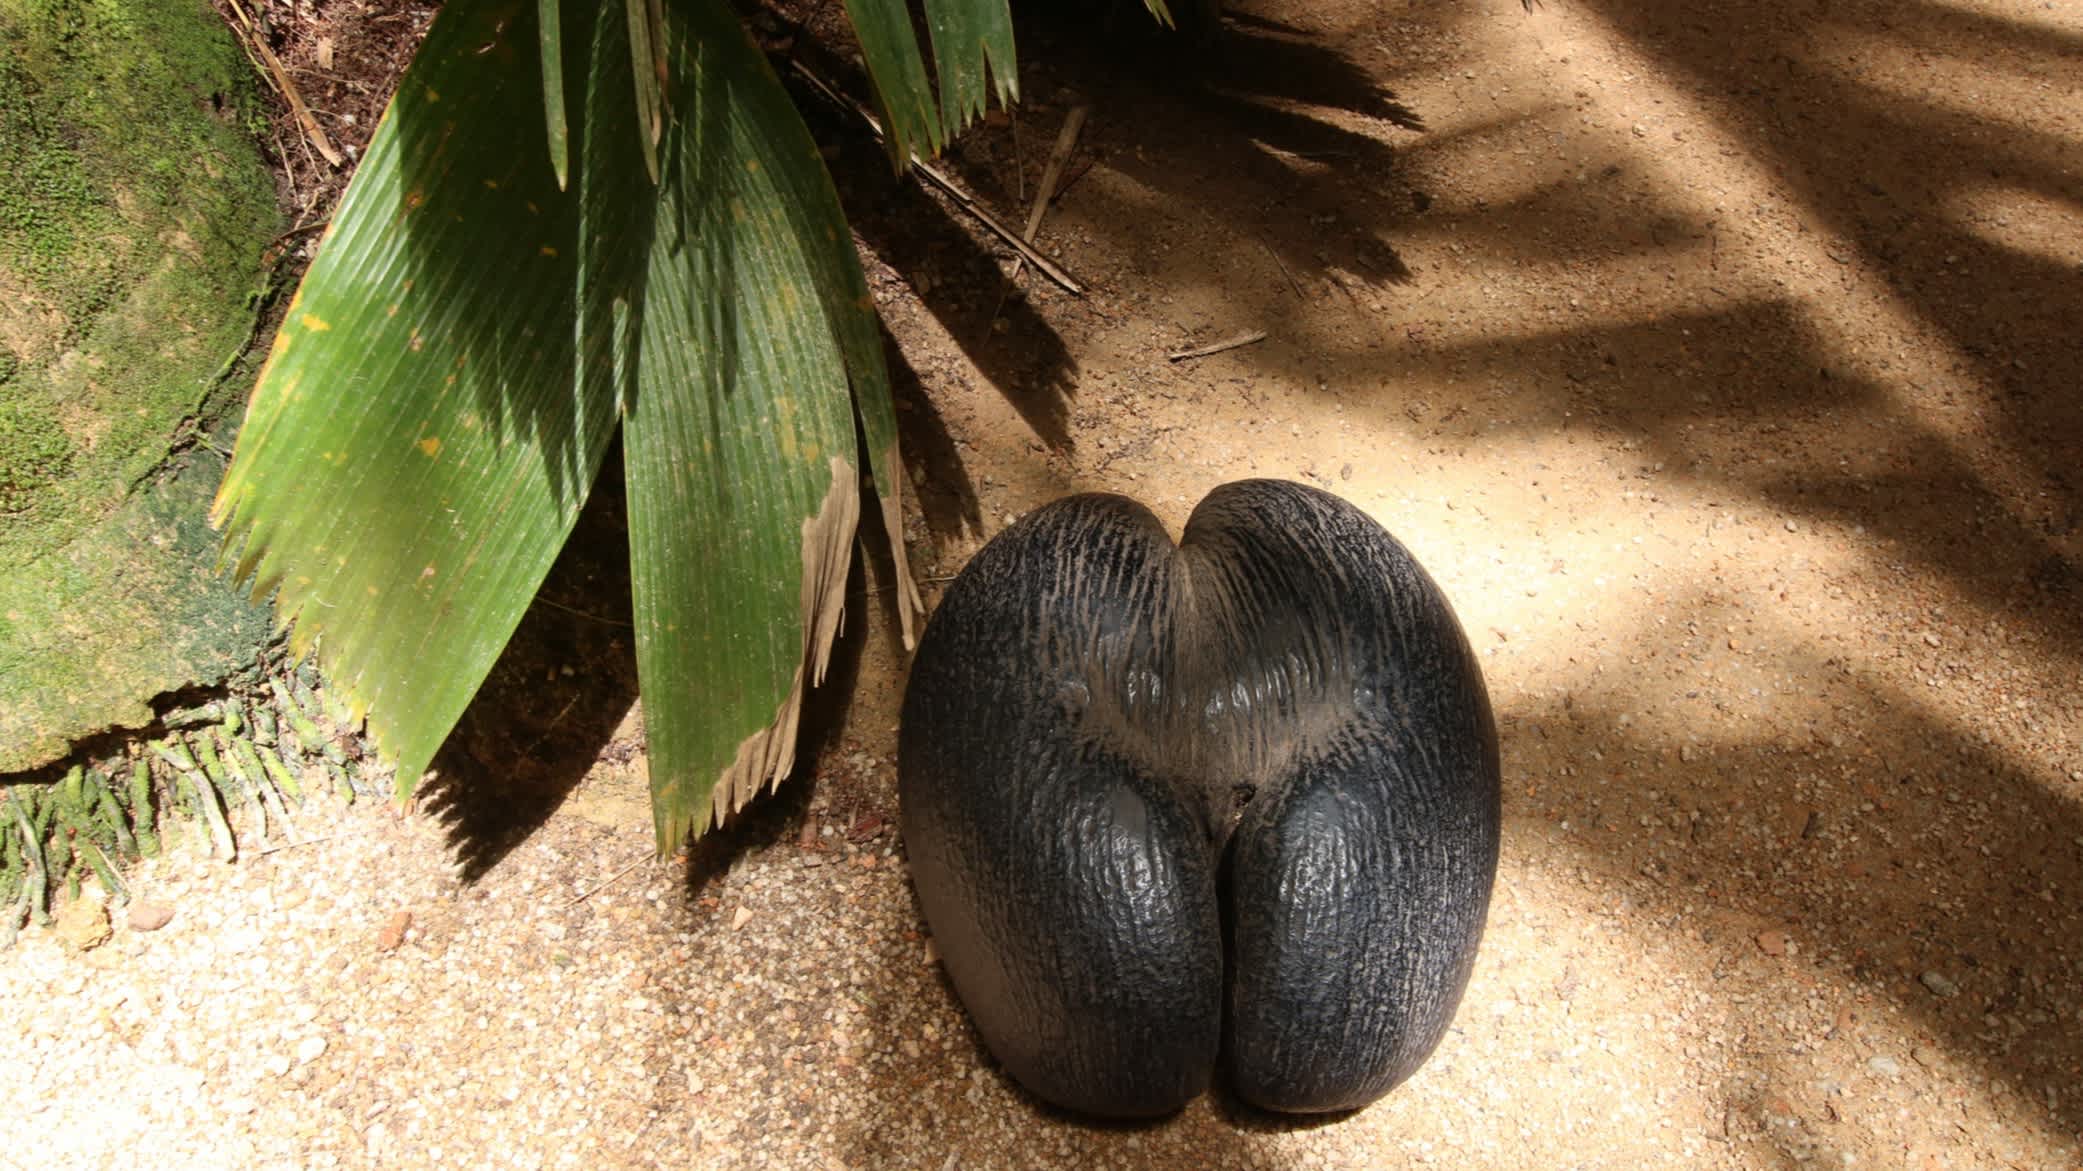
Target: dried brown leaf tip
x=766, y=756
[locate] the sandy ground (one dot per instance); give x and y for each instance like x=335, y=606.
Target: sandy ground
x=1719, y=361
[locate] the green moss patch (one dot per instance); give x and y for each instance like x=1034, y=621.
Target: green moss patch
x=134, y=209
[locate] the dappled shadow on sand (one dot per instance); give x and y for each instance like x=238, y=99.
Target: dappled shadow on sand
x=1966, y=218
x=1941, y=867
x=1911, y=857
x=1268, y=111
x=1695, y=392
x=1923, y=851
x=1273, y=131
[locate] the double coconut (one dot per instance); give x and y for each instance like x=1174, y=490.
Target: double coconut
x=1227, y=802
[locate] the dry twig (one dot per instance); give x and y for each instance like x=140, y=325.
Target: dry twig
x=1066, y=141
x=934, y=175
x=352, y=833
x=609, y=881
x=1230, y=343
x=1292, y=283
x=257, y=46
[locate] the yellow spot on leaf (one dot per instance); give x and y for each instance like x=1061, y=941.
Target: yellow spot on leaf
x=314, y=323
x=391, y=310
x=491, y=184
x=414, y=342
x=414, y=198
x=431, y=445
x=752, y=166
x=737, y=210
x=372, y=591
x=426, y=573
x=549, y=251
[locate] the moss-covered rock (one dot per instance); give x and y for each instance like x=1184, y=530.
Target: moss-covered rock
x=134, y=209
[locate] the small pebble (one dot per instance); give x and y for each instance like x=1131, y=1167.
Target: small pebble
x=310, y=1049
x=144, y=916
x=1939, y=984
x=393, y=932
x=1885, y=1066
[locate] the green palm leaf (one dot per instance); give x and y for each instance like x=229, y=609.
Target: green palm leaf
x=414, y=454
x=551, y=32
x=440, y=398
x=717, y=290
x=898, y=72
x=970, y=39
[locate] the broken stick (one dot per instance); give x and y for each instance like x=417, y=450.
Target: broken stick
x=1066, y=141
x=257, y=46
x=1230, y=343
x=948, y=187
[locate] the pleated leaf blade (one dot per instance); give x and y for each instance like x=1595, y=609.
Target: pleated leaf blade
x=972, y=48
x=897, y=69
x=415, y=451
x=556, y=124
x=736, y=356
